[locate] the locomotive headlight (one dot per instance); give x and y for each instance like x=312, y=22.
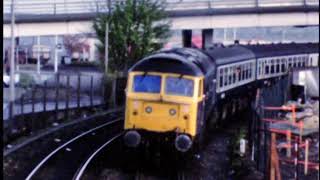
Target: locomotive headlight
x=172, y=112
x=148, y=109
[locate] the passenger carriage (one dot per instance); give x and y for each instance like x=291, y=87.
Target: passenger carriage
x=175, y=94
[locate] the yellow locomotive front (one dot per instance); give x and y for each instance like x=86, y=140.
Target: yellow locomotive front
x=162, y=103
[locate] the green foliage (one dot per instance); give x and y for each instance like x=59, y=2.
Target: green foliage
x=136, y=29
x=26, y=80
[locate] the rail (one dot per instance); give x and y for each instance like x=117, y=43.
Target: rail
x=88, y=6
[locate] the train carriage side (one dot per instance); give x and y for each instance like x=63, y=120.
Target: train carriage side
x=313, y=50
x=235, y=70
x=275, y=60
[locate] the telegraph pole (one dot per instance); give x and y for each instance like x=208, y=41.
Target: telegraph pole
x=12, y=63
x=106, y=58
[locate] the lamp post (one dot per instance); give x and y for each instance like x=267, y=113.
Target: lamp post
x=12, y=63
x=106, y=58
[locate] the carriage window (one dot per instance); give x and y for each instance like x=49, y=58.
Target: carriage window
x=239, y=73
x=243, y=72
x=278, y=66
x=230, y=77
x=234, y=71
x=259, y=68
x=250, y=70
x=272, y=67
x=247, y=71
x=283, y=68
x=299, y=61
x=221, y=78
x=294, y=62
x=290, y=63
x=267, y=69
x=283, y=65
x=225, y=76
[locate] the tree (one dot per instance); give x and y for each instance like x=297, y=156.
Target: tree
x=137, y=28
x=75, y=43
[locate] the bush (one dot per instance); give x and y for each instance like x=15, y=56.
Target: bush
x=26, y=80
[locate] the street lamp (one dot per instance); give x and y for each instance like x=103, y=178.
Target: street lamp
x=12, y=64
x=106, y=58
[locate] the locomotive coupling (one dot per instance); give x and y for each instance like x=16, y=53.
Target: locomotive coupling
x=132, y=139
x=183, y=143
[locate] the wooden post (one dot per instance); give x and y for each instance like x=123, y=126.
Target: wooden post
x=300, y=131
x=274, y=162
x=21, y=103
x=78, y=91
x=288, y=133
x=67, y=98
x=57, y=97
x=91, y=92
x=113, y=93
x=32, y=102
x=265, y=148
x=294, y=116
x=272, y=168
x=45, y=97
x=296, y=161
x=306, y=158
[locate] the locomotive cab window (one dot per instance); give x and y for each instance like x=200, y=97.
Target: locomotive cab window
x=147, y=83
x=179, y=86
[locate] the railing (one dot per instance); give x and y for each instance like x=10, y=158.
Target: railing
x=89, y=6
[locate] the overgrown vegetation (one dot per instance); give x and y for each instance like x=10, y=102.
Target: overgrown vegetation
x=136, y=29
x=26, y=80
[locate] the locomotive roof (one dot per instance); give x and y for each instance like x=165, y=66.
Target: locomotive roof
x=231, y=54
x=196, y=62
x=269, y=50
x=185, y=61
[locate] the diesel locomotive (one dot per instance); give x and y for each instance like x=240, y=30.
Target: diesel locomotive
x=171, y=94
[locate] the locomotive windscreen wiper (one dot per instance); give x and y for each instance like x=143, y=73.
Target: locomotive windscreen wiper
x=180, y=77
x=143, y=76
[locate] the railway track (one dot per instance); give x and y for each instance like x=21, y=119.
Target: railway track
x=82, y=170
x=63, y=162
x=23, y=158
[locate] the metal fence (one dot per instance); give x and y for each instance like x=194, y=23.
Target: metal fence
x=88, y=6
x=51, y=99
